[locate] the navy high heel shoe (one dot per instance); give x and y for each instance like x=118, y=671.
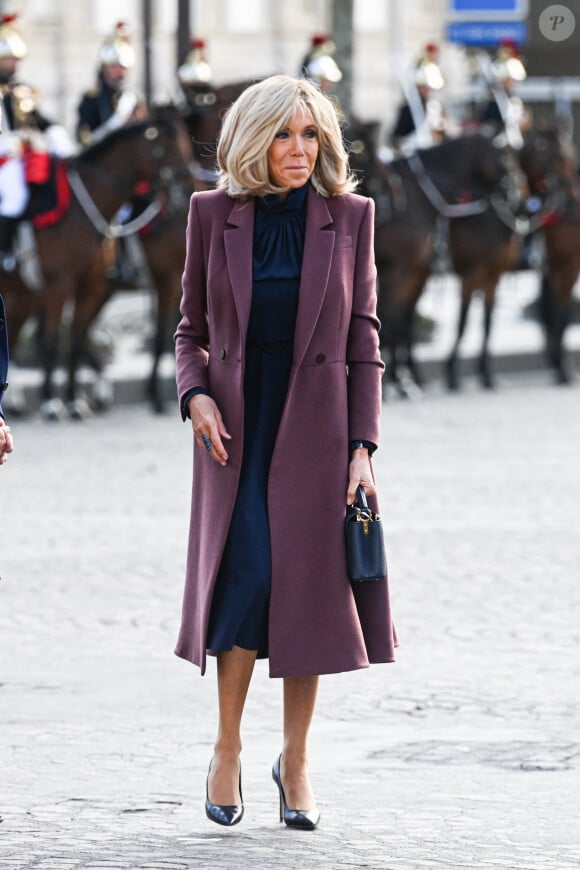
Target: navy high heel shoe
x=223, y=814
x=307, y=820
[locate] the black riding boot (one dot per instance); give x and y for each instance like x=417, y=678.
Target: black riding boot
x=8, y=227
x=123, y=274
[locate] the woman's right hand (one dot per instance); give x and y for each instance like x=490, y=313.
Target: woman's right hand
x=207, y=423
x=6, y=443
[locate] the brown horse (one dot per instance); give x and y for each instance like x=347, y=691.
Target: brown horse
x=71, y=252
x=164, y=251
x=481, y=247
x=552, y=174
x=440, y=197
x=164, y=243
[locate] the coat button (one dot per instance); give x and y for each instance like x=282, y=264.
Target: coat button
x=223, y=353
x=320, y=358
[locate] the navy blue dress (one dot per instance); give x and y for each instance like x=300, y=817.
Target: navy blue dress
x=239, y=613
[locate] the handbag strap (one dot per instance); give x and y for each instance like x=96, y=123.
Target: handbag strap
x=361, y=498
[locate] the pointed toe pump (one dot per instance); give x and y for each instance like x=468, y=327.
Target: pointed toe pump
x=306, y=820
x=221, y=814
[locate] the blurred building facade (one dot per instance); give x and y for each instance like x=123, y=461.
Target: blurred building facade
x=245, y=38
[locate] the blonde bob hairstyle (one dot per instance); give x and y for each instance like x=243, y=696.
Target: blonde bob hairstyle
x=251, y=124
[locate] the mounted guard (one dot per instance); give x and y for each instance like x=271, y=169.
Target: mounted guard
x=194, y=78
x=28, y=141
x=109, y=105
x=504, y=114
x=319, y=64
x=421, y=120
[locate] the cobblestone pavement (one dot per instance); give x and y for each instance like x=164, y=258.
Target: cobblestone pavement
x=464, y=754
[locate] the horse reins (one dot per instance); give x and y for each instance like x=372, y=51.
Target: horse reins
x=436, y=198
x=110, y=229
x=522, y=226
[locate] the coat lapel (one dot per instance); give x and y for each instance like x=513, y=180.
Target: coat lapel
x=238, y=240
x=316, y=261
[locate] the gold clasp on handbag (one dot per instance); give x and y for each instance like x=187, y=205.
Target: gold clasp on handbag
x=365, y=519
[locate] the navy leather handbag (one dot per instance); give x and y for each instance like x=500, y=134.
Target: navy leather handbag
x=365, y=546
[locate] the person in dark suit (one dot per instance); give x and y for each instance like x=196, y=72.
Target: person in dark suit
x=6, y=441
x=279, y=369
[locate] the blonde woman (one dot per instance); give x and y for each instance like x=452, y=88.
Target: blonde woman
x=278, y=367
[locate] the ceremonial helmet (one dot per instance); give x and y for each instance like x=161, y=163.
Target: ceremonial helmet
x=508, y=64
x=321, y=66
x=11, y=43
x=195, y=68
x=116, y=47
x=427, y=72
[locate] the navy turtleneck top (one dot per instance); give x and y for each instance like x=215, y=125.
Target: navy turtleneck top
x=279, y=227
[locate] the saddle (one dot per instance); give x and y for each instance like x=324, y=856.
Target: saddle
x=50, y=194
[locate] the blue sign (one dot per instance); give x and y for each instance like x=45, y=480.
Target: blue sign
x=487, y=10
x=486, y=32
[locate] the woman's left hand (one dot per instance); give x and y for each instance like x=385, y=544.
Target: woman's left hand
x=359, y=474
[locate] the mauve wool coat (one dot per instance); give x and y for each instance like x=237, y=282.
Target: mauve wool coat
x=317, y=624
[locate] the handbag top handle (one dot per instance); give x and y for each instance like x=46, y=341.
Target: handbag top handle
x=361, y=498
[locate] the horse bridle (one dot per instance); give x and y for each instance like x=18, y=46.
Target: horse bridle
x=166, y=173
x=111, y=229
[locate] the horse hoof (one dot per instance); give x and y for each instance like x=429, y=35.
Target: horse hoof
x=451, y=376
x=53, y=410
x=102, y=395
x=78, y=409
x=453, y=382
x=16, y=409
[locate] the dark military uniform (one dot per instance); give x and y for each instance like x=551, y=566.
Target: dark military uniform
x=95, y=108
x=404, y=125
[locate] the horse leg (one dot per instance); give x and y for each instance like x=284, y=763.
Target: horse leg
x=452, y=364
x=56, y=294
x=95, y=294
x=393, y=345
x=555, y=299
x=564, y=371
x=388, y=310
x=168, y=287
x=409, y=328
x=485, y=369
x=396, y=316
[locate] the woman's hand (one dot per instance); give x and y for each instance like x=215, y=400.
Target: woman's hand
x=359, y=474
x=6, y=442
x=208, y=427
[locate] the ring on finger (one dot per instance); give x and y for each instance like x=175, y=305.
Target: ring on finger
x=206, y=442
